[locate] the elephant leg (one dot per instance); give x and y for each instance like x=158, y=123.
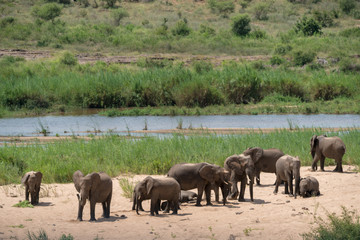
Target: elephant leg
x=157, y=207
x=168, y=206
x=216, y=191
x=108, y=201
x=175, y=203
x=290, y=184
x=242, y=190
x=92, y=210
x=153, y=206
x=33, y=198
x=257, y=174
x=104, y=209
x=322, y=163
x=200, y=194
x=27, y=193
x=80, y=212
x=338, y=165
x=208, y=194
x=286, y=187
x=277, y=183
x=37, y=195
x=314, y=164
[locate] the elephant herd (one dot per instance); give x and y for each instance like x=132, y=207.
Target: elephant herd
x=97, y=187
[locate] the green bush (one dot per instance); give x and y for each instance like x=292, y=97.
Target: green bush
x=351, y=32
x=6, y=21
x=355, y=13
x=223, y=7
x=110, y=3
x=261, y=11
x=241, y=25
x=202, y=66
x=118, y=15
x=282, y=49
x=258, y=34
x=276, y=60
x=68, y=58
x=345, y=226
x=48, y=11
x=300, y=58
x=181, y=29
x=308, y=26
x=207, y=30
x=347, y=5
x=324, y=18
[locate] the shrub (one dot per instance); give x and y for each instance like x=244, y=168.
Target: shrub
x=308, y=26
x=181, y=29
x=355, y=13
x=347, y=65
x=68, y=59
x=276, y=60
x=345, y=226
x=261, y=11
x=202, y=66
x=323, y=18
x=223, y=7
x=206, y=30
x=347, y=5
x=258, y=34
x=283, y=49
x=48, y=11
x=301, y=58
x=241, y=25
x=110, y=3
x=328, y=89
x=118, y=15
x=6, y=21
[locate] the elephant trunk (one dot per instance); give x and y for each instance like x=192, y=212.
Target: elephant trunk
x=297, y=184
x=251, y=189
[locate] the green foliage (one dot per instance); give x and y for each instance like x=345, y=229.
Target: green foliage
x=261, y=11
x=241, y=25
x=350, y=32
x=181, y=28
x=127, y=187
x=48, y=11
x=258, y=33
x=308, y=26
x=68, y=237
x=345, y=226
x=118, y=15
x=202, y=66
x=348, y=65
x=6, y=21
x=23, y=204
x=324, y=18
x=283, y=49
x=300, y=58
x=110, y=3
x=355, y=13
x=207, y=30
x=42, y=235
x=347, y=5
x=223, y=7
x=276, y=60
x=68, y=58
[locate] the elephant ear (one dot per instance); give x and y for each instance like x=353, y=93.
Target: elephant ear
x=95, y=180
x=25, y=178
x=149, y=183
x=38, y=176
x=313, y=141
x=208, y=172
x=76, y=179
x=257, y=153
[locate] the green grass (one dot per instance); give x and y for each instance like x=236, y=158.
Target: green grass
x=127, y=187
x=345, y=226
x=115, y=155
x=23, y=204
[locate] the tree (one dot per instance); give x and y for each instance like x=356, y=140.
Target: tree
x=118, y=15
x=48, y=11
x=308, y=26
x=241, y=25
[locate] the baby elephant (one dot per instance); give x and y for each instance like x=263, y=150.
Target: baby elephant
x=185, y=196
x=309, y=186
x=32, y=182
x=166, y=188
x=97, y=187
x=287, y=169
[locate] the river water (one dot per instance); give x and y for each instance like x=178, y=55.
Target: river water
x=82, y=125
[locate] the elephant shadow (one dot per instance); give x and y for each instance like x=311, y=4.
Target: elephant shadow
x=44, y=204
x=265, y=185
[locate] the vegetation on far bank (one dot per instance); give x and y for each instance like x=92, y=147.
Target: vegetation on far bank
x=115, y=155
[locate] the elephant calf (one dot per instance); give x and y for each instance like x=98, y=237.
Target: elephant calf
x=139, y=195
x=287, y=168
x=97, y=187
x=32, y=181
x=309, y=186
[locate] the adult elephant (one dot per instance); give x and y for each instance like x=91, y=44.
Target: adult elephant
x=327, y=147
x=197, y=175
x=240, y=167
x=97, y=187
x=264, y=160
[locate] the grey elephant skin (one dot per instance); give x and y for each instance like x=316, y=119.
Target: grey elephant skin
x=139, y=195
x=224, y=185
x=287, y=169
x=97, y=188
x=197, y=175
x=327, y=147
x=240, y=167
x=185, y=196
x=32, y=181
x=158, y=189
x=309, y=186
x=264, y=160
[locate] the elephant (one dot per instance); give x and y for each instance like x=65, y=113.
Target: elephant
x=97, y=187
x=166, y=188
x=225, y=186
x=287, y=168
x=32, y=181
x=197, y=175
x=240, y=167
x=139, y=195
x=309, y=186
x=327, y=147
x=264, y=160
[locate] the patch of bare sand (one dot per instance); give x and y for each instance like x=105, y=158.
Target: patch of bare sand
x=268, y=217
